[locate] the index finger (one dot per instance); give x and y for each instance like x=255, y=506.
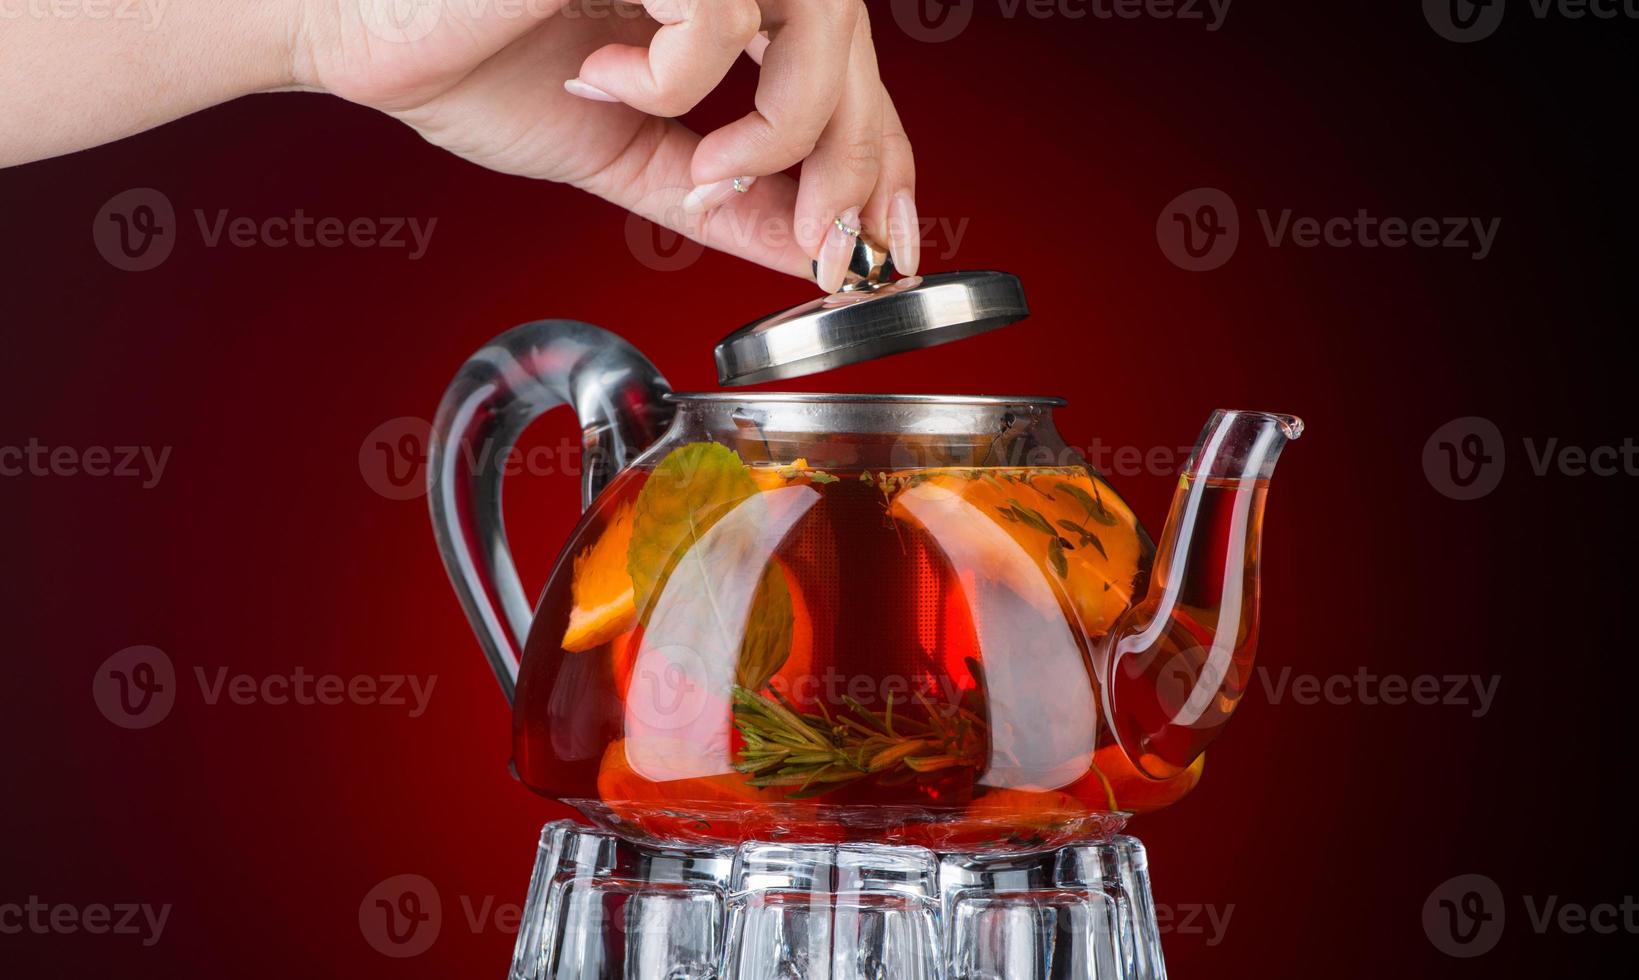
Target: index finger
x=802, y=76
x=686, y=58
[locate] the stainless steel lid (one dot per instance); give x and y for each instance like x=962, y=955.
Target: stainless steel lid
x=873, y=315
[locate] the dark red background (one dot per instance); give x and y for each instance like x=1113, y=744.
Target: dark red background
x=264, y=547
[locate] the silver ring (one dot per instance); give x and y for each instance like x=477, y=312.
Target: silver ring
x=740, y=185
x=846, y=230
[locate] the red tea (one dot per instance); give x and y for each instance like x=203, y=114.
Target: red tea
x=1183, y=657
x=827, y=652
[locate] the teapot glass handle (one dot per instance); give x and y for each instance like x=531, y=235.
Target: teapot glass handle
x=617, y=394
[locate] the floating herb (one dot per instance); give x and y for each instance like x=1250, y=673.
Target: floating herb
x=1102, y=514
x=1055, y=554
x=800, y=468
x=1031, y=517
x=1087, y=537
x=1091, y=502
x=814, y=753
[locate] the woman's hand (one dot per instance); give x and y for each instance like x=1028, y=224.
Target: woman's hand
x=583, y=91
x=579, y=91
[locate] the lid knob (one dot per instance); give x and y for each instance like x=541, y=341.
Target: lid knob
x=868, y=267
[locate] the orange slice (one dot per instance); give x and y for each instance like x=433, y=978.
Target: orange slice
x=601, y=589
x=795, y=678
x=1097, y=568
x=1129, y=789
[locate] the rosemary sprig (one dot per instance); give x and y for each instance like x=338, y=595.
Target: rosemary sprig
x=815, y=753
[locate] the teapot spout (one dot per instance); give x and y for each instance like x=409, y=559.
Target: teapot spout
x=1177, y=664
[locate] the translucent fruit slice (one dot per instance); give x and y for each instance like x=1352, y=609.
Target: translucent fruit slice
x=1114, y=784
x=1076, y=529
x=601, y=589
x=796, y=675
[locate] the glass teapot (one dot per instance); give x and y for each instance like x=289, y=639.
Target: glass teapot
x=826, y=617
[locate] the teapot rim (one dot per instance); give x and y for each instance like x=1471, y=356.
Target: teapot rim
x=832, y=397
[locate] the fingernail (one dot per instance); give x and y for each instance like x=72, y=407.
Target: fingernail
x=575, y=86
x=836, y=250
x=708, y=196
x=904, y=234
